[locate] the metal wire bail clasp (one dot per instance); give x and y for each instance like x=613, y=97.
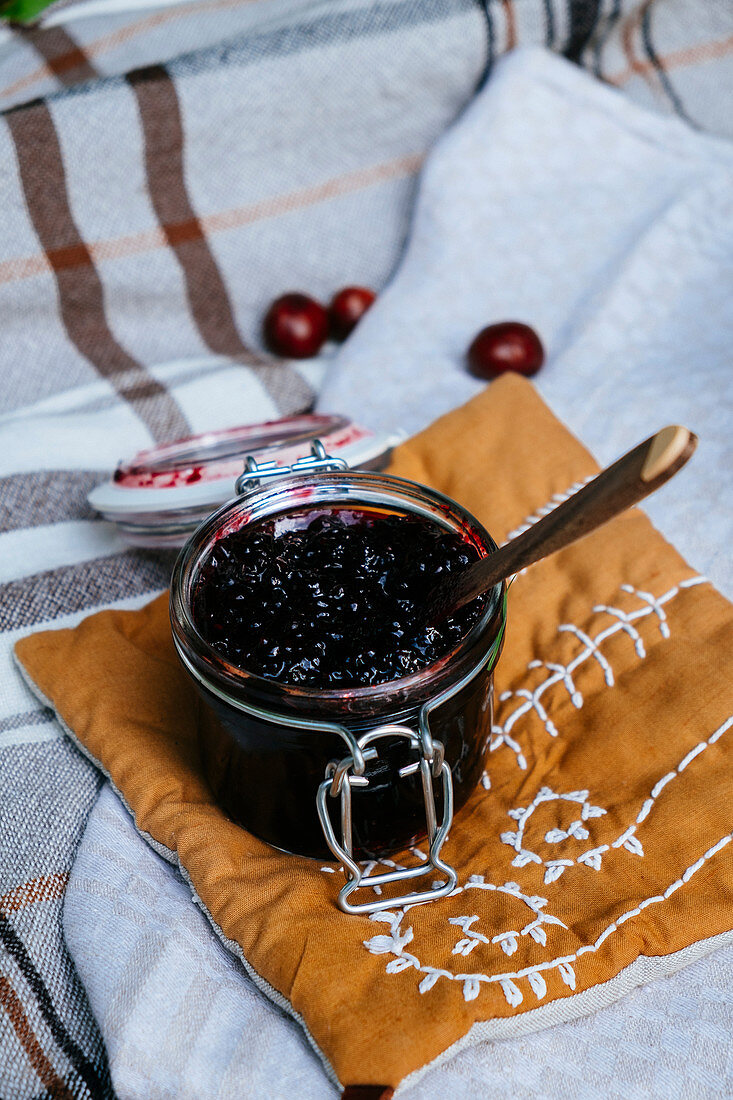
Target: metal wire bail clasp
x=255, y=472
x=341, y=776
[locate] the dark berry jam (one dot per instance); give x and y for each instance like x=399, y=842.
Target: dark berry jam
x=334, y=601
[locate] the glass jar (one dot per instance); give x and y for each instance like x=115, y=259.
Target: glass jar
x=287, y=762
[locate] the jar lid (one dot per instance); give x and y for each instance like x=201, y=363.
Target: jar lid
x=161, y=495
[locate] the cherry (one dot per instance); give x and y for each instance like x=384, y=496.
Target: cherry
x=295, y=326
x=347, y=309
x=508, y=346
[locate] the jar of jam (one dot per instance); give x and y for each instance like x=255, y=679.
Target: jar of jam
x=349, y=754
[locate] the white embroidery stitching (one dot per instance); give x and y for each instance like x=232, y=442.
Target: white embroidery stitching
x=593, y=857
x=557, y=498
x=396, y=942
x=563, y=674
x=369, y=865
x=577, y=829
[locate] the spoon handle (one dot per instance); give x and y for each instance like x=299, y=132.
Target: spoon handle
x=631, y=478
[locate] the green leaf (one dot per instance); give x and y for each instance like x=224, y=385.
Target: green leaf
x=22, y=11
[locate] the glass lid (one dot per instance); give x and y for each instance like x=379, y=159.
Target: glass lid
x=159, y=496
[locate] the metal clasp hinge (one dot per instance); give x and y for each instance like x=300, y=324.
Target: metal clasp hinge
x=254, y=472
x=341, y=776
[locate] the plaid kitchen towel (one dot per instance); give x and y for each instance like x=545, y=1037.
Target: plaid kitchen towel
x=156, y=273
x=132, y=279
x=672, y=55
x=594, y=855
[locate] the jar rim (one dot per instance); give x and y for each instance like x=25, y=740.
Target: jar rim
x=350, y=488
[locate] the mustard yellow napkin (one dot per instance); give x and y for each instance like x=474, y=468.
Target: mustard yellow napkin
x=594, y=856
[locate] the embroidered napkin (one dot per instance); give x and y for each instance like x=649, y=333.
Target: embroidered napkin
x=594, y=855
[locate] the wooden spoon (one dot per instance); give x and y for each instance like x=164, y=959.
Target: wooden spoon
x=631, y=478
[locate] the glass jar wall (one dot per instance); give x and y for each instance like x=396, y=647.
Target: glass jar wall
x=265, y=744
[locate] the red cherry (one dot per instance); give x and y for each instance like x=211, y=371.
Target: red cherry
x=295, y=326
x=509, y=346
x=347, y=309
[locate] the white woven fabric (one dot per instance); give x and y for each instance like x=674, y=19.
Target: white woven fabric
x=557, y=202
x=181, y=1021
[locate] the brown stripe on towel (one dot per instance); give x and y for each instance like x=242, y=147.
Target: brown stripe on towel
x=132, y=244
x=511, y=26
x=44, y=888
x=81, y=297
x=629, y=29
x=63, y=56
x=113, y=39
x=45, y=1072
x=208, y=298
x=46, y=496
x=163, y=131
x=45, y=596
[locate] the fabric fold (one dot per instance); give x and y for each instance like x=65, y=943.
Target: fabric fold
x=594, y=845
x=556, y=202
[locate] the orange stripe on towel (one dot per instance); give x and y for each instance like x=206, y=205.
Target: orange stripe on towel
x=45, y=888
x=27, y=267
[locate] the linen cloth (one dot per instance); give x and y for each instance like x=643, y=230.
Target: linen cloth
x=594, y=855
x=557, y=202
x=672, y=55
x=217, y=1035
x=57, y=562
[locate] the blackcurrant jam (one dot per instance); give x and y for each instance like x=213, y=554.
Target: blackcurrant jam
x=335, y=599
x=298, y=610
